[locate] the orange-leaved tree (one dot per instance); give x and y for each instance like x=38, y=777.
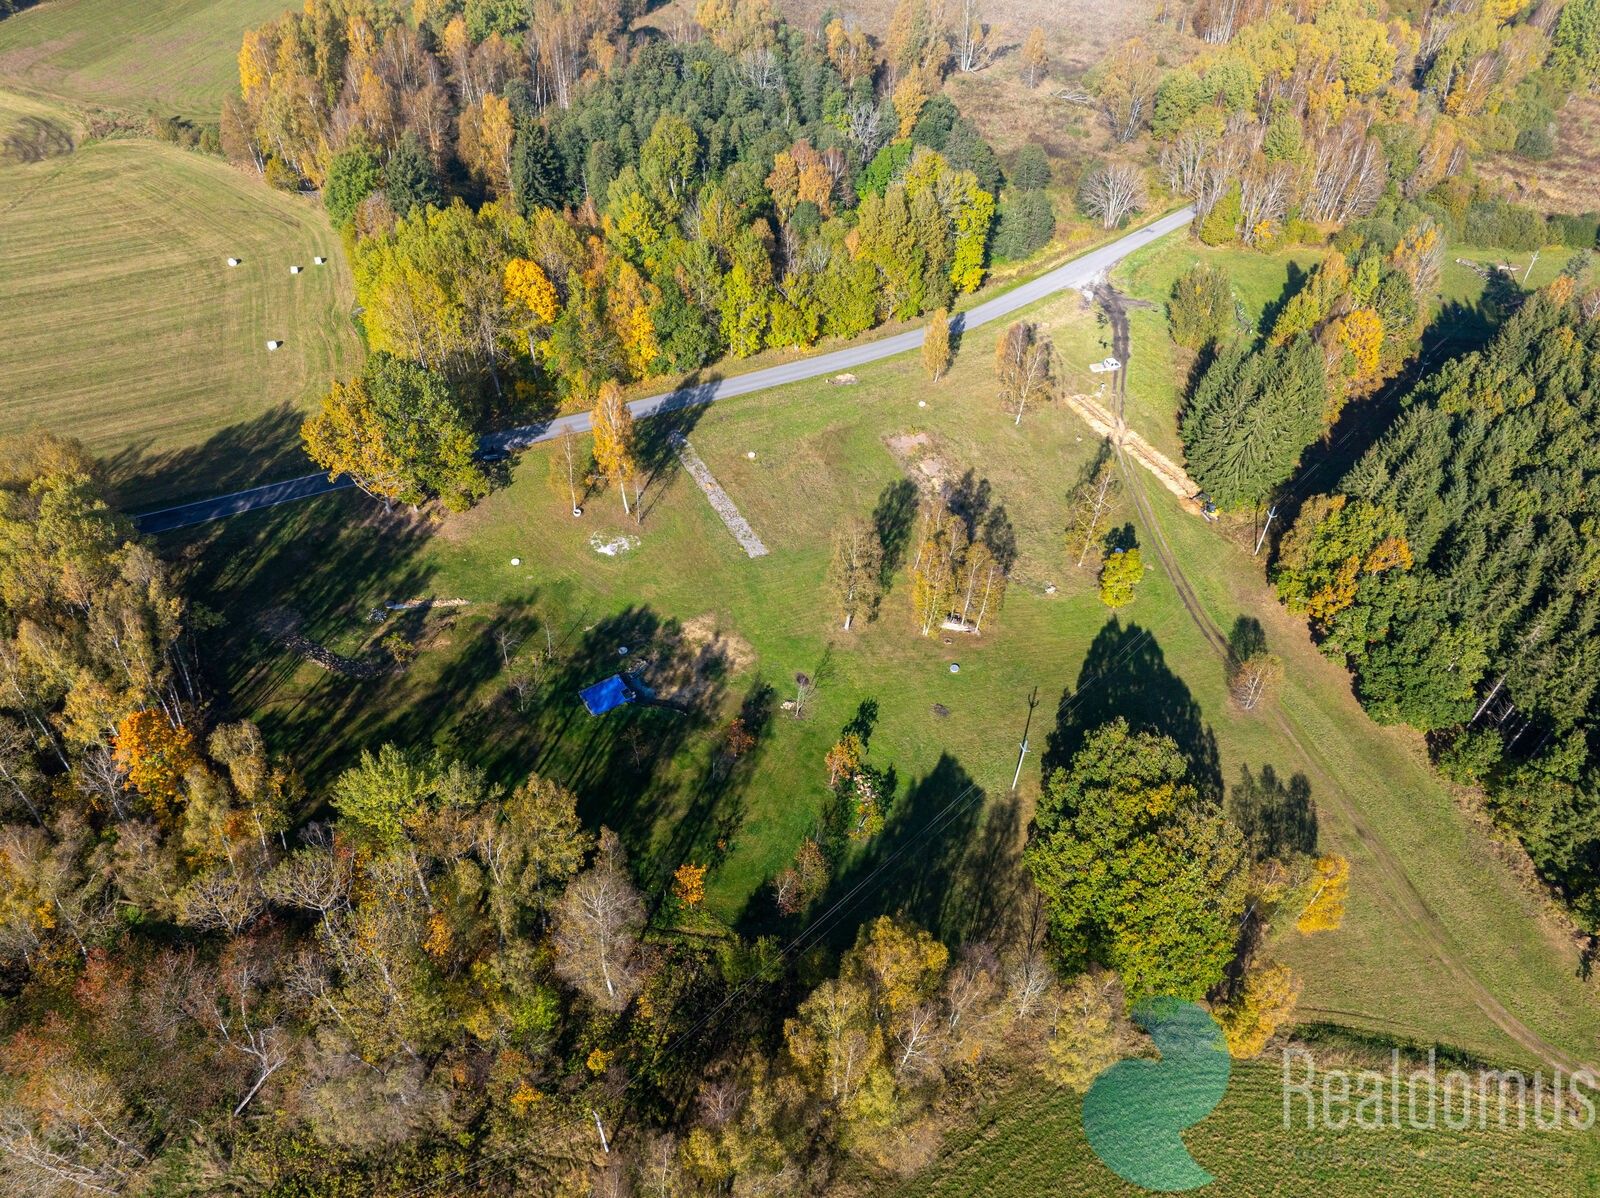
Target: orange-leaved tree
x=156, y=754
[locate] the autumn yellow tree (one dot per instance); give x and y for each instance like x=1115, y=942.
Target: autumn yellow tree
x=844, y=759
x=530, y=295
x=689, y=884
x=1361, y=335
x=615, y=444
x=1266, y=1000
x=1035, y=58
x=484, y=144
x=1329, y=889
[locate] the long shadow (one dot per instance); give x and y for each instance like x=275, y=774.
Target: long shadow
x=972, y=499
x=1125, y=674
x=918, y=867
x=331, y=564
x=659, y=436
x=892, y=520
x=1276, y=817
x=266, y=448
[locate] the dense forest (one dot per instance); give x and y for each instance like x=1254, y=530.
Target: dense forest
x=1455, y=569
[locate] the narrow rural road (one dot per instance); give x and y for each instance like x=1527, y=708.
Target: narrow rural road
x=1072, y=274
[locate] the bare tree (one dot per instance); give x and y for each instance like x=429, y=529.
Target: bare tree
x=1346, y=174
x=856, y=571
x=1265, y=191
x=569, y=452
x=866, y=128
x=1250, y=681
x=974, y=40
x=1113, y=191
x=1091, y=500
x=1022, y=365
x=597, y=926
x=1028, y=982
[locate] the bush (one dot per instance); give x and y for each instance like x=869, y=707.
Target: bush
x=1201, y=309
x=1537, y=143
x=1221, y=224
x=1120, y=575
x=1579, y=232
x=1027, y=222
x=281, y=175
x=1508, y=226
x=353, y=175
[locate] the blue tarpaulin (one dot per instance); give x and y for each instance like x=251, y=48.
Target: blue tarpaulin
x=604, y=696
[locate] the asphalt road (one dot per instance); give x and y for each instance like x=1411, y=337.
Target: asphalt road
x=1069, y=275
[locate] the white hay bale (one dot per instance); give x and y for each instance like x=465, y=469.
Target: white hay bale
x=233, y=262
x=272, y=345
x=320, y=260
x=294, y=270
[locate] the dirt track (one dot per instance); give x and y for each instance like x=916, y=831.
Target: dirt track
x=1392, y=873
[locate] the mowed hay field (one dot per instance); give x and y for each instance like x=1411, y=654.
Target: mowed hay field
x=179, y=56
x=1029, y=1141
x=127, y=328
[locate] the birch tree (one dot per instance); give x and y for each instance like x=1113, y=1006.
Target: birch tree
x=616, y=444
x=856, y=570
x=598, y=921
x=1022, y=366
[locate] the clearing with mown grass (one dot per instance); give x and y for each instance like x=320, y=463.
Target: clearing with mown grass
x=1452, y=947
x=176, y=56
x=141, y=340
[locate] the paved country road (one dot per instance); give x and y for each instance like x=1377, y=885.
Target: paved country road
x=1072, y=274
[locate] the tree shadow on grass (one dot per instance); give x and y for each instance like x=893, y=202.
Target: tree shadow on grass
x=659, y=435
x=331, y=563
x=1125, y=674
x=264, y=449
x=892, y=520
x=1277, y=817
x=918, y=866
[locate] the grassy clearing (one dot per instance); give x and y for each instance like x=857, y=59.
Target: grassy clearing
x=1029, y=1140
x=141, y=340
x=947, y=854
x=176, y=55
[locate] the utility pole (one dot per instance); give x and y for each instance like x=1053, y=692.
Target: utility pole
x=1272, y=513
x=1529, y=271
x=1022, y=751
x=600, y=1127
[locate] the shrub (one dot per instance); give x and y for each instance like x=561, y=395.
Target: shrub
x=1201, y=309
x=1536, y=143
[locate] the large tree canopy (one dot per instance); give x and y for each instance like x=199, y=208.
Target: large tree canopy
x=1138, y=872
